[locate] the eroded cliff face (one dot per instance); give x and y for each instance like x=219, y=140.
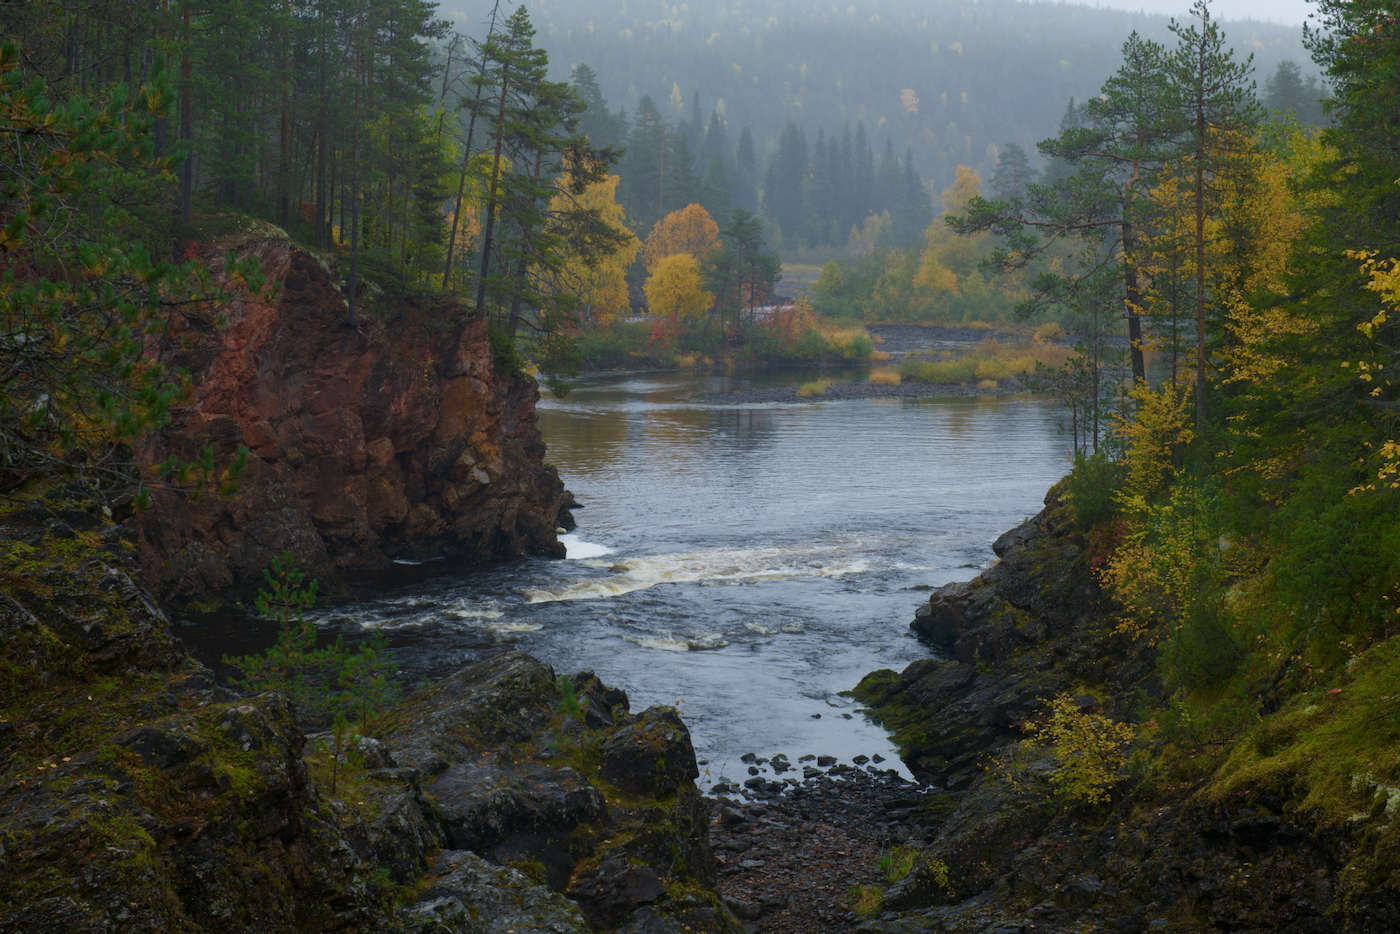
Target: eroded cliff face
x=395, y=439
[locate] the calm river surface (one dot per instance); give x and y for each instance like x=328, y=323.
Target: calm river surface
x=747, y=563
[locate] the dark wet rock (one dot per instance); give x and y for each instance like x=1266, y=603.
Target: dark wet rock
x=825, y=761
x=520, y=813
x=138, y=796
x=747, y=911
x=472, y=896
x=505, y=699
x=1019, y=858
x=685, y=914
x=657, y=848
x=651, y=755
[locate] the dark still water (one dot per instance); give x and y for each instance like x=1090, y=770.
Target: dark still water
x=746, y=563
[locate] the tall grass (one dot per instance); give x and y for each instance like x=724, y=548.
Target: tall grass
x=989, y=360
x=814, y=388
x=885, y=376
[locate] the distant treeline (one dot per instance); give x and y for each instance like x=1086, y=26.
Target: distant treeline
x=944, y=79
x=816, y=195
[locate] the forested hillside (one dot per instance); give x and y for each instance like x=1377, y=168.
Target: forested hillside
x=945, y=80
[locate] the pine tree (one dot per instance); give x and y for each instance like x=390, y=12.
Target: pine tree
x=916, y=207
x=783, y=183
x=1013, y=174
x=1110, y=152
x=744, y=180
x=1285, y=92
x=887, y=182
x=602, y=127
x=1218, y=108
x=863, y=196
x=644, y=166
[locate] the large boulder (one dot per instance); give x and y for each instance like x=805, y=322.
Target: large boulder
x=652, y=755
x=472, y=896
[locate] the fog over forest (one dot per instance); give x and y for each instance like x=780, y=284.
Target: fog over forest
x=944, y=80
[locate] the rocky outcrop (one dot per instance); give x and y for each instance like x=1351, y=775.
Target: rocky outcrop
x=1028, y=628
x=398, y=438
x=1005, y=850
x=138, y=796
x=608, y=816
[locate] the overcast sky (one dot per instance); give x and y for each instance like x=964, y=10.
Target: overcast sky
x=1289, y=12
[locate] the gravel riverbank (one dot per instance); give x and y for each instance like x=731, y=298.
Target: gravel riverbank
x=790, y=855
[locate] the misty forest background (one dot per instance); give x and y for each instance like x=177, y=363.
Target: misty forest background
x=347, y=122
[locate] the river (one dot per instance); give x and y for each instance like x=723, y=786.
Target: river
x=745, y=562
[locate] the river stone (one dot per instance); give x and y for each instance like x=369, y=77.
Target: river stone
x=685, y=914
x=405, y=829
x=505, y=699
x=652, y=755
x=944, y=617
x=471, y=896
x=520, y=813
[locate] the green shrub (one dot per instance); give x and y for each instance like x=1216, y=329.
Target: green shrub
x=504, y=353
x=1092, y=487
x=325, y=684
x=1090, y=750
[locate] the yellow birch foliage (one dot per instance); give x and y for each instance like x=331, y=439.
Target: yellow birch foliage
x=674, y=289
x=602, y=287
x=1160, y=427
x=1089, y=749
x=689, y=230
x=1279, y=212
x=966, y=184
x=933, y=278
x=1385, y=280
x=1254, y=218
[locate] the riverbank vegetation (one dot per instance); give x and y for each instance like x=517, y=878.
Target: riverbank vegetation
x=790, y=334
x=1240, y=508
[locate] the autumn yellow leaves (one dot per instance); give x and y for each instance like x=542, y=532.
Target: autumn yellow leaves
x=672, y=257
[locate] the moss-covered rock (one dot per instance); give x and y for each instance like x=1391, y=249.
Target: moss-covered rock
x=137, y=795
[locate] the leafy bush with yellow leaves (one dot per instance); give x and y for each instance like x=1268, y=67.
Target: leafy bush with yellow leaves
x=1090, y=750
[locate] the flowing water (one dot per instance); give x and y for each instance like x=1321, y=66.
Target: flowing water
x=745, y=562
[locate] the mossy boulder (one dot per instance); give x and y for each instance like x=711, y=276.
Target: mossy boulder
x=651, y=755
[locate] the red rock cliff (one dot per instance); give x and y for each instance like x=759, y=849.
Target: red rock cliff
x=398, y=439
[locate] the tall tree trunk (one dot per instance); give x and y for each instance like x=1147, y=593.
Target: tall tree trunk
x=1200, y=264
x=322, y=212
x=466, y=159
x=1133, y=290
x=352, y=311
x=186, y=123
x=488, y=226
x=284, y=171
